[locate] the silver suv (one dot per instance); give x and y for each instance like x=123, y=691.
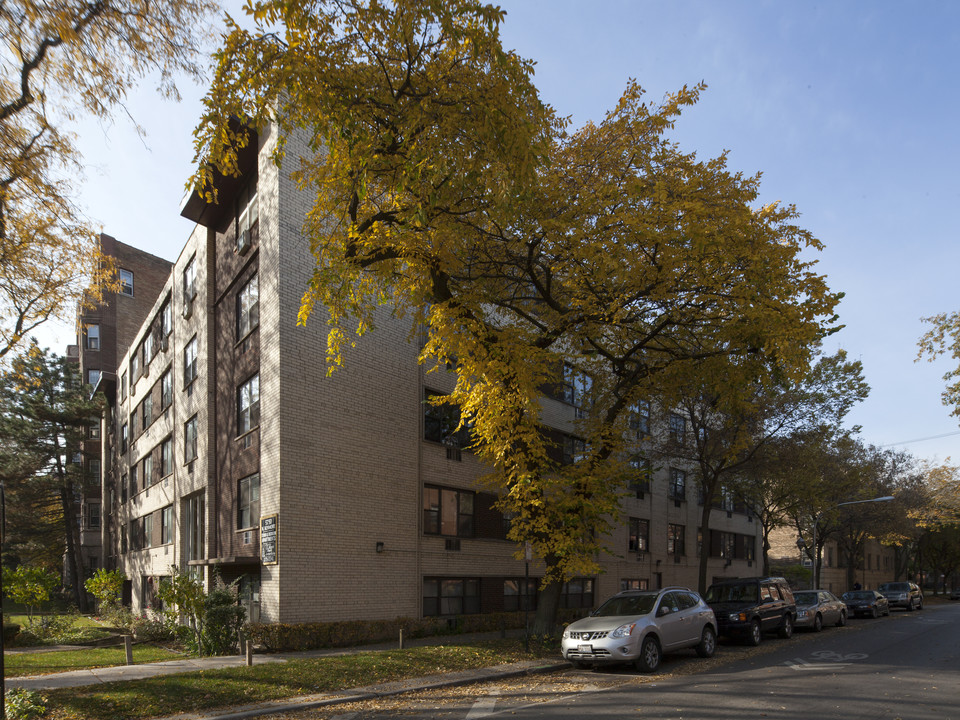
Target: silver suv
x=638, y=626
x=906, y=595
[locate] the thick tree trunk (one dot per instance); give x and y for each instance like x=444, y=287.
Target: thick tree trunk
x=73, y=559
x=548, y=602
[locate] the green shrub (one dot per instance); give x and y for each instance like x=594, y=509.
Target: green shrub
x=148, y=629
x=106, y=586
x=222, y=620
x=24, y=704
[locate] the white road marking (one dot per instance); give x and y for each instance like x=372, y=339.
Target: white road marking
x=484, y=706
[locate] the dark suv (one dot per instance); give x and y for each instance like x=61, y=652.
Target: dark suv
x=906, y=595
x=748, y=607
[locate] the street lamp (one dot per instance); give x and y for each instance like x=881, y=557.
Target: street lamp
x=813, y=581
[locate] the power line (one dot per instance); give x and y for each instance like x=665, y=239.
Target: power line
x=931, y=437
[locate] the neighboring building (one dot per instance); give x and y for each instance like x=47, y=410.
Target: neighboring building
x=223, y=424
x=104, y=333
x=875, y=565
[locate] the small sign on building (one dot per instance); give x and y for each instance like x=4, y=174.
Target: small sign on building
x=268, y=539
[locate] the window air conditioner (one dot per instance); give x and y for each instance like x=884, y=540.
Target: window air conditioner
x=243, y=242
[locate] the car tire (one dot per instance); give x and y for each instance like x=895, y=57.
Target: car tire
x=843, y=619
x=650, y=655
x=887, y=613
x=910, y=607
x=874, y=614
x=817, y=623
x=920, y=604
x=786, y=628
x=755, y=636
x=708, y=643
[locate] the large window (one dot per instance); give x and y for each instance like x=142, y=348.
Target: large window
x=440, y=422
x=148, y=478
x=190, y=440
x=678, y=484
x=640, y=476
x=147, y=531
x=247, y=214
x=448, y=512
x=640, y=419
x=639, y=537
x=166, y=525
x=190, y=362
x=147, y=410
x=678, y=428
x=93, y=515
x=189, y=285
x=248, y=308
x=166, y=457
x=577, y=593
x=193, y=519
x=451, y=596
x=92, y=337
x=248, y=502
x=93, y=377
x=634, y=584
x=520, y=594
x=126, y=282
x=248, y=405
x=166, y=390
x=676, y=544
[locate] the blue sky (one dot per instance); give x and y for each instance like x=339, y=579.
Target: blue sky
x=849, y=109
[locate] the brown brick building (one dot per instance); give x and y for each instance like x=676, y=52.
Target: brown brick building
x=224, y=426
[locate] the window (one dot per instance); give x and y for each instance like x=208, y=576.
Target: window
x=147, y=531
x=166, y=525
x=148, y=349
x=133, y=479
x=166, y=320
x=147, y=410
x=577, y=593
x=135, y=366
x=451, y=596
x=440, y=422
x=575, y=388
x=166, y=457
x=634, y=584
x=92, y=337
x=133, y=422
x=678, y=484
x=93, y=377
x=676, y=544
x=166, y=390
x=147, y=471
x=639, y=538
x=123, y=386
x=126, y=282
x=248, y=502
x=640, y=419
x=93, y=515
x=248, y=308
x=193, y=527
x=640, y=477
x=123, y=488
x=93, y=470
x=190, y=281
x=123, y=539
x=678, y=428
x=448, y=512
x=248, y=405
x=574, y=449
x=519, y=594
x=93, y=431
x=190, y=362
x=190, y=440
x=247, y=215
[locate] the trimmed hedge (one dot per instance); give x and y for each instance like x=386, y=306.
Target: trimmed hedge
x=280, y=637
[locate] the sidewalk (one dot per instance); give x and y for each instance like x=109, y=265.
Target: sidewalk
x=77, y=678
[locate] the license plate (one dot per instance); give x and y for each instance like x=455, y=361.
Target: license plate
x=585, y=649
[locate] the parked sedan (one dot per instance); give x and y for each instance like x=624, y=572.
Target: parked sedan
x=868, y=603
x=638, y=626
x=816, y=608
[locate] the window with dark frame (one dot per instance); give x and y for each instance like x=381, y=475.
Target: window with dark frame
x=248, y=502
x=248, y=308
x=640, y=477
x=676, y=544
x=448, y=512
x=166, y=525
x=93, y=515
x=640, y=419
x=678, y=484
x=577, y=593
x=190, y=440
x=634, y=584
x=190, y=362
x=147, y=407
x=166, y=457
x=147, y=470
x=639, y=535
x=520, y=594
x=678, y=428
x=91, y=337
x=126, y=282
x=166, y=390
x=440, y=422
x=451, y=596
x=248, y=405
x=147, y=526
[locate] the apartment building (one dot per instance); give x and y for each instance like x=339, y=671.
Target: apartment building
x=343, y=497
x=104, y=333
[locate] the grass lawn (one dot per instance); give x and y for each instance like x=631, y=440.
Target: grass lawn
x=208, y=689
x=44, y=663
x=78, y=620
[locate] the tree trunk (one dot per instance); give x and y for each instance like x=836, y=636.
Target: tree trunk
x=548, y=602
x=705, y=550
x=73, y=559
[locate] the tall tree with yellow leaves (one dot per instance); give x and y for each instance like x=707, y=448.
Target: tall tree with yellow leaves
x=444, y=188
x=62, y=59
